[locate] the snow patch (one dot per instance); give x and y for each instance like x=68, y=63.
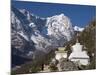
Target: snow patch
x=23, y=35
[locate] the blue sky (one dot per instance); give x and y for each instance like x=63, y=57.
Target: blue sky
x=80, y=15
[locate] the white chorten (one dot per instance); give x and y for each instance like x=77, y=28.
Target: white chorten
x=61, y=53
x=78, y=55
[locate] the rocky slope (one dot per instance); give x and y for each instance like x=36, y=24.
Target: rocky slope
x=31, y=34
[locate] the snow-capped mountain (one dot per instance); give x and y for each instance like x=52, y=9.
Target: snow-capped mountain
x=31, y=33
x=76, y=28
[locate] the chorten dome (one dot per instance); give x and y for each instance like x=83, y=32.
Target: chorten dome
x=78, y=55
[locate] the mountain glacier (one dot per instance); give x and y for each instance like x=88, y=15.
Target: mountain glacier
x=30, y=33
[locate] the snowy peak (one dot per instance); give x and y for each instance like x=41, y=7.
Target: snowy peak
x=76, y=28
x=60, y=26
x=24, y=11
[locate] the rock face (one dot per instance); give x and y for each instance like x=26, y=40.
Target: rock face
x=30, y=33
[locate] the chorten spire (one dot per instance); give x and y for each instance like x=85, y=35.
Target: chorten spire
x=77, y=41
